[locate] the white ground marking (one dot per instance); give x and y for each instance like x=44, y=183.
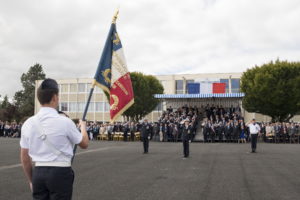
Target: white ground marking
x=80, y=153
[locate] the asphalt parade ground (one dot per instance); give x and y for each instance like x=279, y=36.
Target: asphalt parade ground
x=119, y=170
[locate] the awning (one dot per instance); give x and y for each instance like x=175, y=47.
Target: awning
x=198, y=96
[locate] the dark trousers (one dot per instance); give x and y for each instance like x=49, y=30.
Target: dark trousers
x=186, y=148
x=220, y=137
x=213, y=137
x=52, y=183
x=125, y=137
x=132, y=136
x=146, y=144
x=165, y=137
x=205, y=136
x=253, y=141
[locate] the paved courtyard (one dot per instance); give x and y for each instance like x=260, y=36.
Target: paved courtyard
x=119, y=170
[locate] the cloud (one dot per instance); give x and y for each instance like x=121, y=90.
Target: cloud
x=159, y=37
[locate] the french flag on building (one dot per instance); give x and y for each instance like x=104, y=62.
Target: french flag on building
x=211, y=86
x=219, y=88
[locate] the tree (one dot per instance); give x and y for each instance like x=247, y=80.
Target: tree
x=8, y=111
x=273, y=89
x=24, y=99
x=144, y=88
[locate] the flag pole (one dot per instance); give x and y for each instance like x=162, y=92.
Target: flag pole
x=84, y=115
x=92, y=90
x=115, y=16
x=88, y=102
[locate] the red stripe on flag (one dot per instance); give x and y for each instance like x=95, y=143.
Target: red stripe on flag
x=219, y=88
x=121, y=96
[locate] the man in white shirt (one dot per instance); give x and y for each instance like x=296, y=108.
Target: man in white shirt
x=48, y=140
x=254, y=130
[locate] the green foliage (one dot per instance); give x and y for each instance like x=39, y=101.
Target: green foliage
x=24, y=99
x=8, y=111
x=144, y=88
x=273, y=89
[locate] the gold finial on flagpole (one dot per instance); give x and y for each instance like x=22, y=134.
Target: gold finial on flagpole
x=115, y=16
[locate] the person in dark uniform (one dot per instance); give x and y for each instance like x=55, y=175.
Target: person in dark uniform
x=126, y=130
x=186, y=132
x=132, y=129
x=220, y=131
x=204, y=125
x=228, y=131
x=1, y=129
x=145, y=133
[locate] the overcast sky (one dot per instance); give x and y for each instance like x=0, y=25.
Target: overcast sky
x=158, y=36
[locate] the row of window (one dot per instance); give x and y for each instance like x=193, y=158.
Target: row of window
x=77, y=87
x=80, y=106
x=93, y=107
x=179, y=88
x=235, y=85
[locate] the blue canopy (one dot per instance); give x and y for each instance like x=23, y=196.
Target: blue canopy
x=198, y=96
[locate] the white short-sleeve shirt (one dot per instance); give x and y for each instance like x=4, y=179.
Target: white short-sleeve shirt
x=61, y=132
x=254, y=128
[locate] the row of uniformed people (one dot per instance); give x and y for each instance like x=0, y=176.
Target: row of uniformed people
x=281, y=132
x=185, y=135
x=227, y=131
x=163, y=132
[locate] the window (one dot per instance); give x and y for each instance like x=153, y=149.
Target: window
x=81, y=87
x=179, y=86
x=226, y=81
x=64, y=88
x=64, y=106
x=80, y=106
x=99, y=106
x=106, y=107
x=158, y=107
x=186, y=84
x=235, y=85
x=98, y=90
x=72, y=106
x=88, y=87
x=73, y=87
x=91, y=107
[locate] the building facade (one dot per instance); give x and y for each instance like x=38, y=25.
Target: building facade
x=74, y=93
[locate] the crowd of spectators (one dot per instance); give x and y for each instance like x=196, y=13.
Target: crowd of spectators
x=281, y=132
x=8, y=129
x=170, y=124
x=224, y=124
x=109, y=131
x=219, y=124
x=167, y=128
x=228, y=125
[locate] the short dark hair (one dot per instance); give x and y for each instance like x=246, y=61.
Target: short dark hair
x=47, y=90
